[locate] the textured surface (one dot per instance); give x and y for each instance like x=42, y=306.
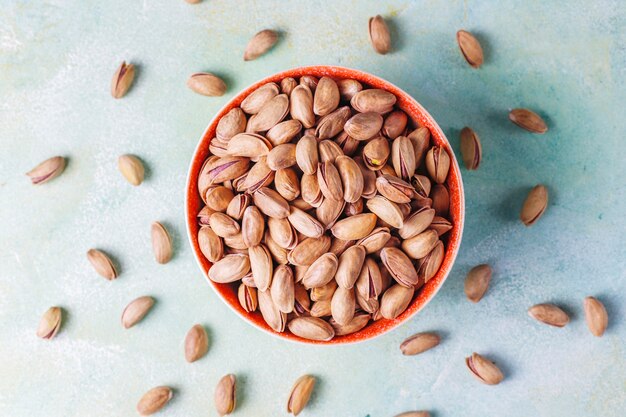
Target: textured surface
x=56, y=60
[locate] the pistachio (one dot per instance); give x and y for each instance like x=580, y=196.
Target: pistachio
x=231, y=124
x=414, y=414
x=420, y=138
x=477, y=282
x=308, y=250
x=261, y=266
x=260, y=44
x=369, y=283
x=347, y=144
x=440, y=200
x=272, y=113
x=249, y=145
x=394, y=189
x=282, y=289
x=306, y=154
x=225, y=168
x=373, y=100
x=259, y=97
x=321, y=271
x=217, y=197
x=230, y=268
x=237, y=206
x=136, y=310
x=358, y=322
x=369, y=179
x=247, y=297
x=196, y=343
x=326, y=97
x=429, y=265
x=379, y=35
x=596, y=316
x=47, y=170
x=421, y=244
x=352, y=209
x=274, y=318
x=206, y=84
x=369, y=304
x=225, y=396
x=282, y=232
x=300, y=394
x=363, y=126
x=399, y=266
x=283, y=132
x=342, y=305
x=549, y=314
x=351, y=178
x=484, y=370
x=529, y=120
x=287, y=183
x=323, y=293
x=329, y=181
x=535, y=205
x=260, y=175
x=471, y=149
x=235, y=242
x=348, y=88
x=386, y=210
x=154, y=400
x=223, y=225
x=417, y=222
x=122, y=80
x=311, y=328
x=349, y=266
x=438, y=164
x=421, y=184
x=338, y=246
x=329, y=211
x=161, y=243
x=376, y=240
x=279, y=254
x=50, y=323
x=271, y=203
x=329, y=151
x=282, y=156
x=395, y=301
x=441, y=225
x=333, y=123
x=376, y=153
x=287, y=85
x=309, y=81
x=395, y=125
x=305, y=223
x=321, y=308
x=354, y=227
x=470, y=48
x=403, y=157
x=252, y=226
x=301, y=106
x=131, y=168
x=302, y=301
x=218, y=147
x=420, y=342
x=102, y=264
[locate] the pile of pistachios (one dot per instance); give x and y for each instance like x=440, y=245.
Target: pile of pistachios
x=325, y=204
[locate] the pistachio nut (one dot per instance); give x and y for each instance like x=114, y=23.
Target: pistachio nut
x=549, y=314
x=420, y=138
x=379, y=35
x=338, y=246
x=260, y=175
x=217, y=197
x=161, y=243
x=50, y=323
x=355, y=208
x=282, y=289
x=282, y=232
x=332, y=124
x=260, y=43
x=312, y=328
x=225, y=168
x=136, y=310
x=102, y=264
x=470, y=48
x=438, y=164
x=394, y=189
x=301, y=204
x=376, y=240
x=395, y=301
x=237, y=206
x=417, y=222
x=308, y=250
x=329, y=181
x=399, y=266
x=225, y=396
x=300, y=394
x=305, y=223
x=369, y=178
x=323, y=293
x=272, y=113
x=471, y=149
x=395, y=125
x=247, y=297
x=301, y=106
x=261, y=266
x=279, y=254
x=274, y=318
x=154, y=400
x=218, y=147
x=310, y=189
x=529, y=120
x=287, y=183
x=420, y=245
x=271, y=203
x=306, y=154
x=342, y=305
x=329, y=211
x=347, y=144
x=440, y=200
x=47, y=170
x=373, y=100
x=429, y=265
x=596, y=316
x=231, y=124
x=252, y=227
x=351, y=178
x=259, y=97
x=223, y=225
x=403, y=157
x=358, y=322
x=329, y=151
x=386, y=210
x=349, y=266
x=283, y=132
x=441, y=225
x=287, y=85
x=534, y=205
x=282, y=156
x=354, y=227
x=420, y=342
x=376, y=153
x=310, y=81
x=369, y=283
x=131, y=168
x=321, y=271
x=363, y=126
x=230, y=268
x=196, y=343
x=249, y=145
x=483, y=369
x=348, y=88
x=321, y=308
x=206, y=84
x=326, y=97
x=477, y=282
x=369, y=304
x=122, y=80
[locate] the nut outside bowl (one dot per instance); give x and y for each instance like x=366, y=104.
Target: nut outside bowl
x=228, y=292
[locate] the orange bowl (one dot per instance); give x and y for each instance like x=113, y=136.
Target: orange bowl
x=419, y=116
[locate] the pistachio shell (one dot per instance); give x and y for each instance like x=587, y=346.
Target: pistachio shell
x=301, y=106
x=312, y=328
x=333, y=123
x=369, y=179
x=122, y=80
x=440, y=200
x=483, y=369
x=272, y=113
x=373, y=100
x=349, y=266
x=225, y=396
x=306, y=154
x=131, y=168
x=305, y=223
x=329, y=151
x=230, y=124
x=438, y=164
x=222, y=169
x=206, y=84
x=261, y=266
x=252, y=227
x=358, y=322
x=326, y=97
x=287, y=85
x=329, y=211
x=421, y=244
x=324, y=292
x=260, y=175
x=270, y=312
x=348, y=88
x=399, y=266
x=223, y=225
x=329, y=181
x=394, y=189
x=217, y=197
x=386, y=210
x=196, y=343
x=282, y=232
x=549, y=314
x=321, y=271
x=429, y=265
x=470, y=48
x=351, y=178
x=259, y=97
x=287, y=183
x=47, y=170
x=284, y=132
x=379, y=35
x=420, y=138
x=477, y=282
x=279, y=254
x=247, y=297
x=309, y=81
x=420, y=342
x=395, y=125
x=260, y=44
x=161, y=243
x=271, y=203
x=300, y=394
x=395, y=301
x=417, y=222
x=354, y=227
x=136, y=310
x=376, y=240
x=369, y=283
x=403, y=157
x=230, y=268
x=303, y=302
x=471, y=149
x=363, y=126
x=441, y=225
x=154, y=400
x=376, y=153
x=342, y=305
x=308, y=250
x=237, y=206
x=529, y=120
x=50, y=323
x=249, y=145
x=596, y=316
x=282, y=156
x=282, y=289
x=102, y=264
x=321, y=308
x=535, y=205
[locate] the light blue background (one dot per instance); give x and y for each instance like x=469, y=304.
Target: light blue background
x=566, y=60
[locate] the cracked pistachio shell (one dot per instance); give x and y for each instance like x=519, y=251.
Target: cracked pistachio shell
x=332, y=124
x=300, y=394
x=376, y=240
x=310, y=81
x=206, y=84
x=549, y=314
x=274, y=318
x=249, y=145
x=369, y=178
x=369, y=283
x=477, y=282
x=355, y=208
x=420, y=342
x=271, y=203
x=259, y=97
x=596, y=316
x=471, y=149
x=420, y=138
x=364, y=126
x=301, y=106
x=161, y=243
x=131, y=168
x=260, y=175
x=329, y=151
x=260, y=44
x=252, y=227
x=399, y=266
x=483, y=369
x=307, y=155
x=347, y=144
x=136, y=310
x=231, y=124
x=417, y=222
x=376, y=153
x=282, y=289
x=302, y=302
x=369, y=304
x=312, y=328
x=261, y=266
x=287, y=85
x=282, y=156
x=47, y=170
x=386, y=210
x=122, y=80
x=373, y=100
x=237, y=206
x=283, y=132
x=354, y=227
x=272, y=113
x=395, y=125
x=223, y=225
x=329, y=211
x=440, y=200
x=379, y=35
x=338, y=246
x=421, y=184
x=403, y=157
x=196, y=343
x=438, y=164
x=441, y=225
x=326, y=97
x=429, y=265
x=230, y=268
x=470, y=48
x=395, y=301
x=211, y=245
x=358, y=322
x=348, y=88
x=217, y=197
x=534, y=205
x=321, y=308
x=394, y=189
x=287, y=183
x=154, y=400
x=217, y=170
x=349, y=266
x=282, y=232
x=529, y=120
x=247, y=297
x=308, y=250
x=420, y=245
x=50, y=323
x=342, y=305
x=218, y=147
x=351, y=178
x=225, y=396
x=102, y=264
x=321, y=271
x=305, y=223
x=279, y=254
x=329, y=181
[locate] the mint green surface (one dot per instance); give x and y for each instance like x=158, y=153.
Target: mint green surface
x=566, y=60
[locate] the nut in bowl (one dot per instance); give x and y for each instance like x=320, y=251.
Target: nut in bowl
x=324, y=205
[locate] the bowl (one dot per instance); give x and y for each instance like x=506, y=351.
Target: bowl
x=228, y=292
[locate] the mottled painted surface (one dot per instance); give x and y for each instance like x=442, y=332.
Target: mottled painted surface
x=56, y=58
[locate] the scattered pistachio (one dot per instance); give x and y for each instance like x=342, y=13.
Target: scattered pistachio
x=50, y=323
x=206, y=84
x=136, y=310
x=470, y=48
x=122, y=80
x=300, y=394
x=477, y=282
x=379, y=35
x=535, y=205
x=154, y=400
x=596, y=316
x=549, y=314
x=529, y=120
x=196, y=343
x=131, y=168
x=161, y=243
x=225, y=397
x=47, y=170
x=102, y=264
x=483, y=369
x=419, y=343
x=260, y=44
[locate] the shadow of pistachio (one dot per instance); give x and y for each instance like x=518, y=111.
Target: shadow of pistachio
x=613, y=309
x=395, y=32
x=175, y=237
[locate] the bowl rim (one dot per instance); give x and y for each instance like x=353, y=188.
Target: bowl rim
x=454, y=239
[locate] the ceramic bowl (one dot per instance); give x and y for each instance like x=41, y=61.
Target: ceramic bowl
x=452, y=240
